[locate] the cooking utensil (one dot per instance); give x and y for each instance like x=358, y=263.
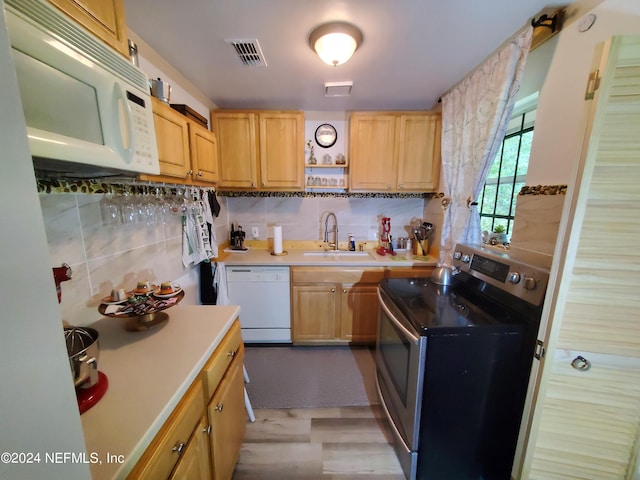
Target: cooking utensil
x=83, y=351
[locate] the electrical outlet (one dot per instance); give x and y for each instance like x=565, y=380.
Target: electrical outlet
x=255, y=232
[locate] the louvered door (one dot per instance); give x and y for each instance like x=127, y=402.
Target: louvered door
x=587, y=417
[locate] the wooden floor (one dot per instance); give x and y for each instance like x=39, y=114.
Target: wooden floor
x=318, y=443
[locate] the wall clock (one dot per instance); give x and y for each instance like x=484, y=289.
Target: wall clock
x=326, y=135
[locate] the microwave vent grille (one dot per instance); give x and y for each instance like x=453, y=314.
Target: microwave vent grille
x=47, y=18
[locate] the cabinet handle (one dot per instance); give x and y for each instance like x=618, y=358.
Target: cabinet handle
x=189, y=173
x=207, y=429
x=218, y=407
x=401, y=186
x=262, y=183
x=344, y=290
x=231, y=354
x=199, y=174
x=333, y=290
x=581, y=363
x=178, y=448
x=389, y=187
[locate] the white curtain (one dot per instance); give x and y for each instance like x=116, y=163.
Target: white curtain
x=474, y=119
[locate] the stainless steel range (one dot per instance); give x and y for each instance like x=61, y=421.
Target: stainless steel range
x=453, y=362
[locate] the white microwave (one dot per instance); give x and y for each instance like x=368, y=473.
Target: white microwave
x=87, y=109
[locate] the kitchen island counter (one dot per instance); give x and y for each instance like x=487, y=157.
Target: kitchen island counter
x=148, y=373
x=298, y=257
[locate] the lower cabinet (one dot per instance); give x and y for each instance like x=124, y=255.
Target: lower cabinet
x=339, y=304
x=227, y=417
x=202, y=437
x=194, y=461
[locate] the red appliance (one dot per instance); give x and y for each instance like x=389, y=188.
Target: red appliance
x=61, y=274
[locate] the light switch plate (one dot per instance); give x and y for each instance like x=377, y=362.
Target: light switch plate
x=255, y=232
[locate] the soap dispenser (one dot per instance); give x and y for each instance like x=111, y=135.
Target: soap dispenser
x=352, y=243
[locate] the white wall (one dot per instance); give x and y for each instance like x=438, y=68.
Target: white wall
x=562, y=110
x=37, y=397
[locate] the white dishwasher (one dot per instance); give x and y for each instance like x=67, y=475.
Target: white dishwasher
x=264, y=299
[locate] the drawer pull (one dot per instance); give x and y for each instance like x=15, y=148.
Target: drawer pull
x=581, y=363
x=218, y=407
x=207, y=429
x=231, y=353
x=333, y=290
x=178, y=448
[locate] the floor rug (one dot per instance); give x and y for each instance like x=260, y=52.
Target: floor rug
x=302, y=377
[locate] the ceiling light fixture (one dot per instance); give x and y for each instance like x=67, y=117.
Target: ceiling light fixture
x=335, y=42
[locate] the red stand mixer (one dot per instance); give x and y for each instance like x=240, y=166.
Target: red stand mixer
x=385, y=238
x=83, y=351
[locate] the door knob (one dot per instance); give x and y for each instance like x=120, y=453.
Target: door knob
x=581, y=363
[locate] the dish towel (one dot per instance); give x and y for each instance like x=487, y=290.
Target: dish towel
x=195, y=235
x=220, y=281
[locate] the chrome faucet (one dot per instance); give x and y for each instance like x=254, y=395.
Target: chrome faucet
x=334, y=244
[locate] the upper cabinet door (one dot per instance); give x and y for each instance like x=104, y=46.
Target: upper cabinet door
x=237, y=148
x=104, y=18
x=204, y=153
x=172, y=137
x=282, y=150
x=419, y=152
x=373, y=159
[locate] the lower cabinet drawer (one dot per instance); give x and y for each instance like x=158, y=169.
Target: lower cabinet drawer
x=163, y=453
x=217, y=365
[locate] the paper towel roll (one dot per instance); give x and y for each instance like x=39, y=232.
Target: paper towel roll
x=277, y=239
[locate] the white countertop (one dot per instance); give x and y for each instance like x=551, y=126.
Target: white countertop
x=148, y=373
x=256, y=256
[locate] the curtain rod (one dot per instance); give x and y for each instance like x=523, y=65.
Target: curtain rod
x=542, y=21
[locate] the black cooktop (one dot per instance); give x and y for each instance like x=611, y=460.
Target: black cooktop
x=429, y=306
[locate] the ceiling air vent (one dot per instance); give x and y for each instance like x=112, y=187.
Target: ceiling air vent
x=248, y=52
x=337, y=89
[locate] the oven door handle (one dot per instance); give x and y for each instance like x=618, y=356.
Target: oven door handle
x=409, y=334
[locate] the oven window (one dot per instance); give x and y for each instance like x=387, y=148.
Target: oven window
x=396, y=351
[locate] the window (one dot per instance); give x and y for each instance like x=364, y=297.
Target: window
x=508, y=170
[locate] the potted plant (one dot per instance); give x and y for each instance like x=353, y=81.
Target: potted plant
x=499, y=235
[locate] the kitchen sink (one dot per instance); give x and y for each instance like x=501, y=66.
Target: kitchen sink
x=339, y=253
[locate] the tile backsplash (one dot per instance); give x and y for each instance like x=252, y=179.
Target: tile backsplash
x=302, y=218
x=106, y=257
x=103, y=258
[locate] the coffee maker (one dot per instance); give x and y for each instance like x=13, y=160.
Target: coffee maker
x=237, y=238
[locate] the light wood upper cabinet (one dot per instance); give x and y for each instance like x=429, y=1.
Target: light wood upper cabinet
x=172, y=137
x=419, y=152
x=187, y=151
x=204, y=153
x=394, y=151
x=237, y=134
x=281, y=151
x=372, y=152
x=260, y=149
x=104, y=18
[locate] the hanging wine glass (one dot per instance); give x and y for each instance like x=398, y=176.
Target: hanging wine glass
x=109, y=209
